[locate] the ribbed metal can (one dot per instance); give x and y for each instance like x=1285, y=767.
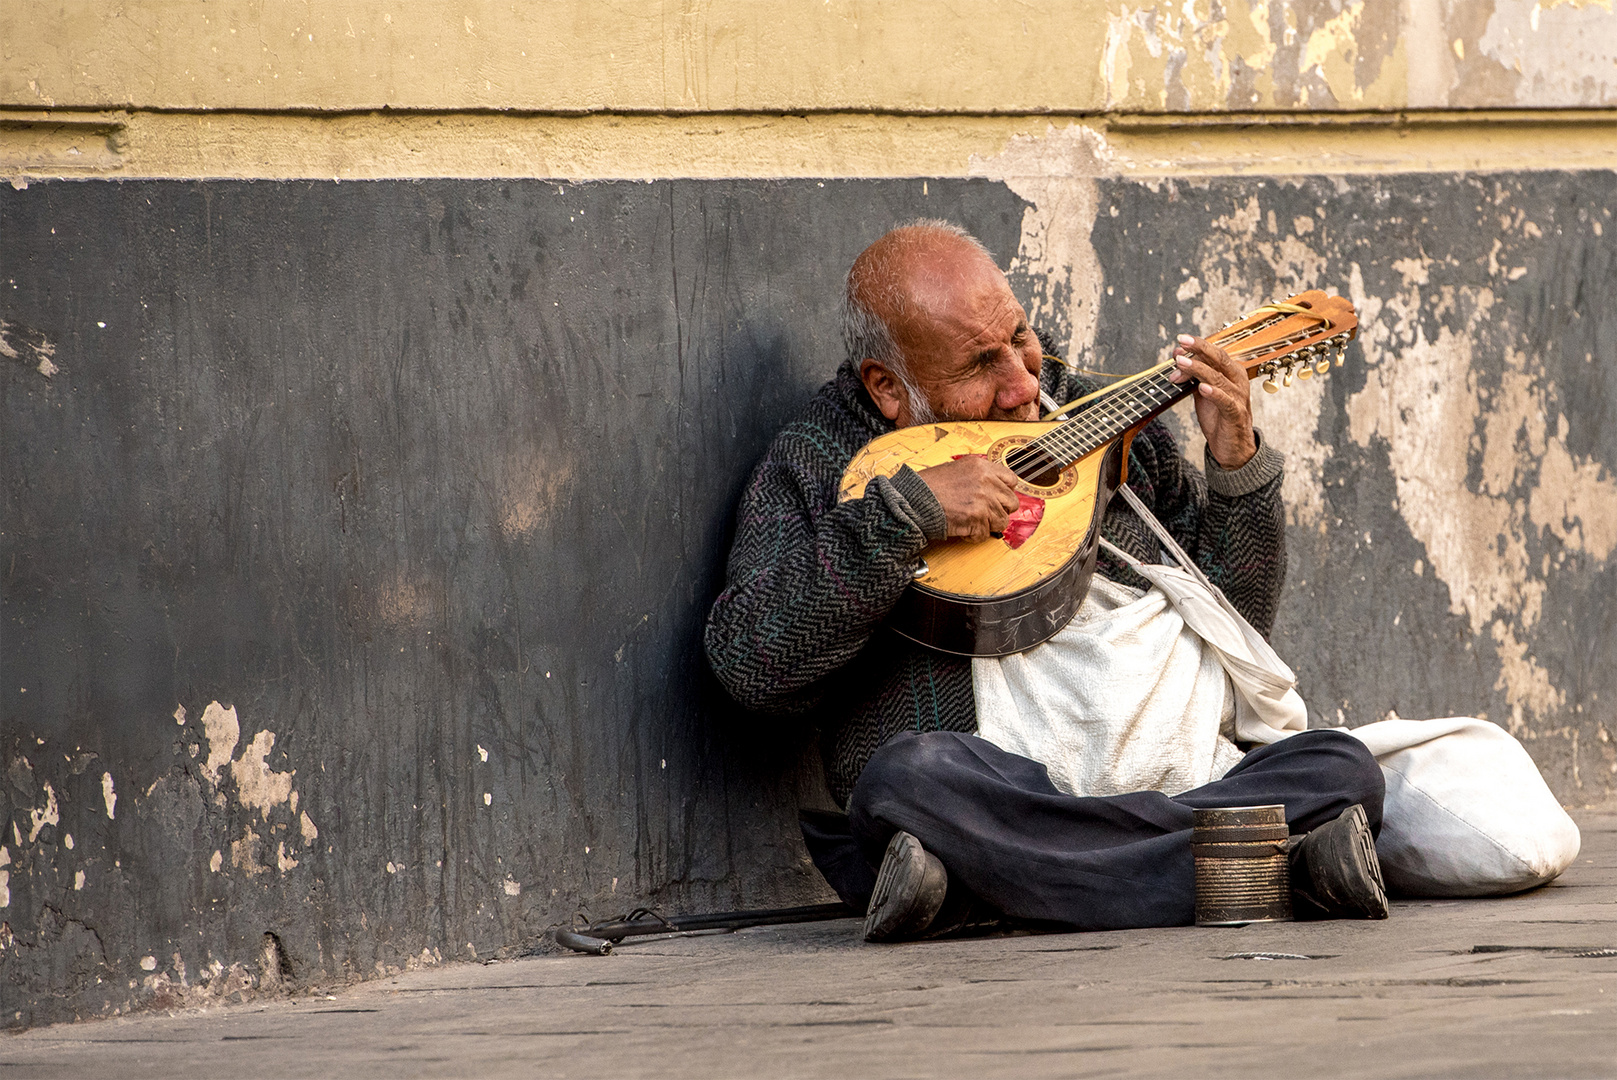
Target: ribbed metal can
x=1242, y=874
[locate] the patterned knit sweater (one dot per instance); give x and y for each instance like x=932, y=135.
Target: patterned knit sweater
x=798, y=629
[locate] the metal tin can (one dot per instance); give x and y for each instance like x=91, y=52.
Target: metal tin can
x=1242, y=873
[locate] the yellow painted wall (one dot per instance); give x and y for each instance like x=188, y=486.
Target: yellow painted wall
x=645, y=88
x=762, y=88
x=785, y=55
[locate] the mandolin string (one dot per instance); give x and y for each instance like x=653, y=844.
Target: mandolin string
x=1069, y=438
x=1092, y=428
x=1116, y=412
x=1077, y=437
x=1099, y=423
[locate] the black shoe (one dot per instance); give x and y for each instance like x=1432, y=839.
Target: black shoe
x=1334, y=871
x=909, y=892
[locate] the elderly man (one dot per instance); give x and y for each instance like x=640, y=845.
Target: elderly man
x=948, y=825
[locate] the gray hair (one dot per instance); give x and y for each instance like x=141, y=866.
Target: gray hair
x=872, y=285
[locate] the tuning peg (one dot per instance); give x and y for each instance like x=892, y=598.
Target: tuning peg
x=1288, y=377
x=1322, y=365
x=1306, y=371
x=1270, y=386
x=1338, y=357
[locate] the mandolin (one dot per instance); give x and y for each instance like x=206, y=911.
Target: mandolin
x=1005, y=595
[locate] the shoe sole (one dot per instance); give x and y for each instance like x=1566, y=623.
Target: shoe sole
x=909, y=891
x=1364, y=848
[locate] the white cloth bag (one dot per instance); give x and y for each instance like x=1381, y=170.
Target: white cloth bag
x=1466, y=811
x=1124, y=698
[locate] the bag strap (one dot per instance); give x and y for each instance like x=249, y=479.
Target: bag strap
x=1186, y=563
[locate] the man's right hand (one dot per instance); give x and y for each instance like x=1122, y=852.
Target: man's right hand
x=977, y=496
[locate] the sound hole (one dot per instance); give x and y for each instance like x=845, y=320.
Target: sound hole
x=1047, y=479
x=1051, y=480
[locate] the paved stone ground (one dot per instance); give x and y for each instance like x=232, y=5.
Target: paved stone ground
x=1450, y=988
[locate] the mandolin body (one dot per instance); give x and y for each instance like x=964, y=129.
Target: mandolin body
x=1003, y=595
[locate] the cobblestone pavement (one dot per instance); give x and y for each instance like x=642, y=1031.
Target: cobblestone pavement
x=1522, y=986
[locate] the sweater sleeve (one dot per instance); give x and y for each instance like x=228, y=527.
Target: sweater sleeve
x=809, y=583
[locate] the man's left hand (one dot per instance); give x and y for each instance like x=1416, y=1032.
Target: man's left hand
x=1223, y=401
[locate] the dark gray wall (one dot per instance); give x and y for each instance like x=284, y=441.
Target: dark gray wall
x=398, y=471
x=407, y=472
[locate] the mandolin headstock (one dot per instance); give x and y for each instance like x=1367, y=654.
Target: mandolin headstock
x=1297, y=336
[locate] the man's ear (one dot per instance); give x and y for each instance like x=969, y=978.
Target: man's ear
x=883, y=387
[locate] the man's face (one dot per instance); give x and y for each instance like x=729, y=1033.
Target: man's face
x=970, y=351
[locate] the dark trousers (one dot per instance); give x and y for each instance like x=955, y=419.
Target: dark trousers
x=1003, y=831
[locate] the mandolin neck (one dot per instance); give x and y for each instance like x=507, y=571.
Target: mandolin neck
x=1113, y=411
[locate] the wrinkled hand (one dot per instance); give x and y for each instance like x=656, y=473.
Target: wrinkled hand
x=1223, y=400
x=976, y=494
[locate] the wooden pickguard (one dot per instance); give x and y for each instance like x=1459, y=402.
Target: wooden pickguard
x=988, y=568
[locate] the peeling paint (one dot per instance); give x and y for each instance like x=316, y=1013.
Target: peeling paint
x=1288, y=419
x=28, y=346
x=222, y=730
x=1562, y=51
x=307, y=829
x=1243, y=55
x=108, y=796
x=244, y=853
x=1575, y=499
x=1055, y=261
x=257, y=785
x=404, y=601
x=49, y=814
x=1425, y=401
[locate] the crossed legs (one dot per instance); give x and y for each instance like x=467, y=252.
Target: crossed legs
x=1003, y=831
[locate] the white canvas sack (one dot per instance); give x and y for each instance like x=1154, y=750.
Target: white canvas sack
x=1466, y=812
x=1124, y=698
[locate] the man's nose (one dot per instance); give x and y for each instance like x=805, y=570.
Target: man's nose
x=1017, y=387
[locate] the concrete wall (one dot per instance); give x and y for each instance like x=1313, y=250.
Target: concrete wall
x=356, y=535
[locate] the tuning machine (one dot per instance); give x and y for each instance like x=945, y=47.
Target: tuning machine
x=1339, y=342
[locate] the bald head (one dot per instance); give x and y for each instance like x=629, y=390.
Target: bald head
x=935, y=332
